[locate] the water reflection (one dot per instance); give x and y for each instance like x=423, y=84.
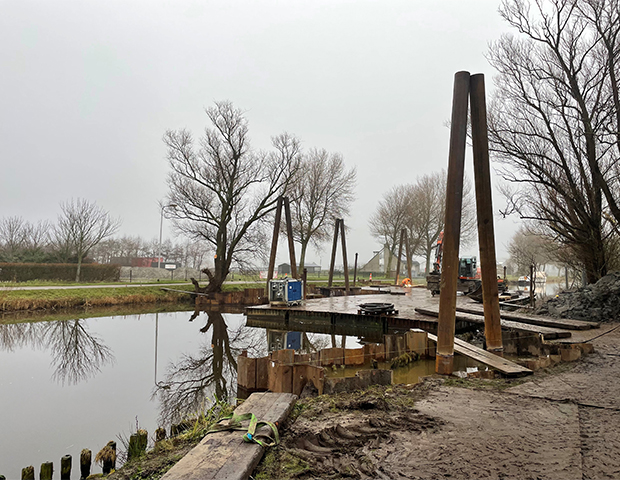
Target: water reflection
x=195, y=380
x=77, y=354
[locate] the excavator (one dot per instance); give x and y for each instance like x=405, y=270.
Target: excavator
x=469, y=279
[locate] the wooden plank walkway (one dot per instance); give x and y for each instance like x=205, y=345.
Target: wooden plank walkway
x=563, y=323
x=224, y=455
x=548, y=333
x=507, y=367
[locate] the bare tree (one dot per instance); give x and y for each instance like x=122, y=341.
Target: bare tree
x=81, y=226
x=322, y=190
x=529, y=248
x=13, y=237
x=391, y=216
x=223, y=190
x=420, y=209
x=555, y=117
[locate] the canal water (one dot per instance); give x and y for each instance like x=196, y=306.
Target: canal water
x=70, y=382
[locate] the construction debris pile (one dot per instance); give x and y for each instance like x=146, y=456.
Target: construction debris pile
x=599, y=302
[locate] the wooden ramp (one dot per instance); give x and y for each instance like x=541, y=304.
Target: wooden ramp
x=562, y=323
x=548, y=333
x=507, y=367
x=224, y=455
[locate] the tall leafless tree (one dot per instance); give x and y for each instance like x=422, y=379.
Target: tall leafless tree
x=555, y=117
x=224, y=191
x=322, y=191
x=81, y=226
x=420, y=209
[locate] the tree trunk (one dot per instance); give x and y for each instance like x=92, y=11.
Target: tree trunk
x=302, y=255
x=79, y=269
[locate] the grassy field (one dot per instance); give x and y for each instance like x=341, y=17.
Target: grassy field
x=16, y=300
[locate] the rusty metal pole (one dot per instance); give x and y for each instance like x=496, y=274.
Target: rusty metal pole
x=274, y=241
x=444, y=360
x=344, y=258
x=289, y=234
x=355, y=271
x=484, y=207
x=400, y=254
x=333, y=261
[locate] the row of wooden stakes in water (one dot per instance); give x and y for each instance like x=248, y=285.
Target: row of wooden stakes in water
x=106, y=457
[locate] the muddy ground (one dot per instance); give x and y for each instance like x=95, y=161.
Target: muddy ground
x=558, y=424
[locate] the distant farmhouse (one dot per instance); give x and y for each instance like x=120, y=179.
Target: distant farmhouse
x=379, y=263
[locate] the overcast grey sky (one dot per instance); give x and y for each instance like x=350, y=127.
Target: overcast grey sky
x=87, y=89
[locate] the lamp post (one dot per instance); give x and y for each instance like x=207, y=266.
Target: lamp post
x=161, y=225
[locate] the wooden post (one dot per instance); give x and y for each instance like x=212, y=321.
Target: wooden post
x=305, y=280
x=344, y=258
x=400, y=254
x=484, y=207
x=289, y=234
x=274, y=242
x=85, y=463
x=137, y=444
x=160, y=434
x=28, y=473
x=47, y=470
x=454, y=199
x=333, y=260
x=408, y=253
x=65, y=467
x=107, y=457
x=355, y=271
x=532, y=285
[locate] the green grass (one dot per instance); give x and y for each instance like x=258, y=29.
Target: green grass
x=11, y=300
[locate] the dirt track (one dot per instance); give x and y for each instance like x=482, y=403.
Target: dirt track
x=561, y=425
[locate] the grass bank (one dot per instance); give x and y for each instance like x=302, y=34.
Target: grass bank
x=29, y=300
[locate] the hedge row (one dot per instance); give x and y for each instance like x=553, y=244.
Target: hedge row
x=23, y=272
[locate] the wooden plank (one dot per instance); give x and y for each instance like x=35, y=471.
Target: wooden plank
x=563, y=323
x=498, y=363
x=224, y=455
x=548, y=333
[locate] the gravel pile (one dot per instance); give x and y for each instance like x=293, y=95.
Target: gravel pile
x=599, y=302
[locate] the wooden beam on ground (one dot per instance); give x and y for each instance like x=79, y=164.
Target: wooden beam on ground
x=496, y=362
x=564, y=323
x=547, y=332
x=224, y=455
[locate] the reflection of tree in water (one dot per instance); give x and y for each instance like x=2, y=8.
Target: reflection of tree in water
x=76, y=354
x=194, y=381
x=18, y=335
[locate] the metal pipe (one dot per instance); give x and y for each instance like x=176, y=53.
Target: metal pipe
x=454, y=198
x=484, y=207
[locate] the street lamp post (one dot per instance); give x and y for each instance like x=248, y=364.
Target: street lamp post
x=161, y=226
